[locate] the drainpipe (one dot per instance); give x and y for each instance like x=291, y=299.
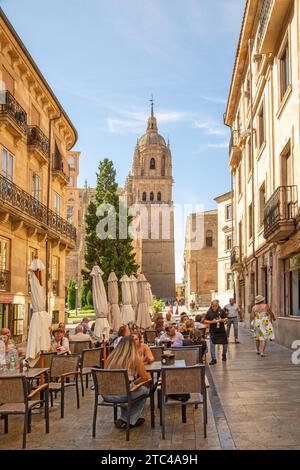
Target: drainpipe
x=48, y=207
x=252, y=160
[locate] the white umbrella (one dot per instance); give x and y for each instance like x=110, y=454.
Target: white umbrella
x=149, y=298
x=40, y=323
x=113, y=297
x=143, y=315
x=133, y=289
x=100, y=303
x=127, y=312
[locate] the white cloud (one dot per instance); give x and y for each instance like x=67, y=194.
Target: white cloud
x=211, y=128
x=221, y=145
x=214, y=99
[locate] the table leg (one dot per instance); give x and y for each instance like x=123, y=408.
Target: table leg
x=152, y=405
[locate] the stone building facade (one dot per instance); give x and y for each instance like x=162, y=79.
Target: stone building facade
x=225, y=229
x=35, y=136
x=201, y=257
x=150, y=186
x=263, y=111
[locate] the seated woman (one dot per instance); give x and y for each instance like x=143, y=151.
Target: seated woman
x=60, y=344
x=62, y=327
x=143, y=349
x=123, y=332
x=196, y=338
x=126, y=356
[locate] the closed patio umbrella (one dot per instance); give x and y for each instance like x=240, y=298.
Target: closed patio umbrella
x=149, y=298
x=100, y=303
x=143, y=315
x=133, y=288
x=113, y=298
x=127, y=312
x=40, y=324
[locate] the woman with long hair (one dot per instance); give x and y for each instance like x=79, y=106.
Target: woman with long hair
x=263, y=328
x=143, y=349
x=126, y=356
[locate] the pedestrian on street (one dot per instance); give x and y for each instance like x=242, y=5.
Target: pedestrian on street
x=216, y=319
x=263, y=328
x=233, y=312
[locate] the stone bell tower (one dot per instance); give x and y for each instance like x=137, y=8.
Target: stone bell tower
x=150, y=185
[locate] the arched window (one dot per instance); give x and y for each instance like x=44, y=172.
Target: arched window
x=209, y=238
x=152, y=164
x=144, y=197
x=159, y=197
x=151, y=197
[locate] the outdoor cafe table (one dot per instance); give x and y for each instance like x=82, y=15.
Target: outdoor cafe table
x=30, y=374
x=156, y=367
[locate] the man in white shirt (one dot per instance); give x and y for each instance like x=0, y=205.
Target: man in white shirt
x=173, y=336
x=80, y=335
x=233, y=313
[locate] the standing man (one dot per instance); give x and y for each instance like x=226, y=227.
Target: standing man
x=233, y=313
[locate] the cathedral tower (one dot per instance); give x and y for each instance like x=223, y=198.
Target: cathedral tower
x=150, y=185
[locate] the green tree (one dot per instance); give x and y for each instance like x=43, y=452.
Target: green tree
x=72, y=294
x=89, y=299
x=85, y=288
x=112, y=253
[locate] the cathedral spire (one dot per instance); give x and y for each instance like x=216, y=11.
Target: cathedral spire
x=152, y=106
x=152, y=123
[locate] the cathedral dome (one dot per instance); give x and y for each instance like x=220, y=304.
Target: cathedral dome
x=152, y=137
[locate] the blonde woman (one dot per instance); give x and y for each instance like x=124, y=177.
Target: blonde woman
x=263, y=328
x=143, y=349
x=126, y=356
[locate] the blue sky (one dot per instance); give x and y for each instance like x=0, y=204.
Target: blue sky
x=104, y=59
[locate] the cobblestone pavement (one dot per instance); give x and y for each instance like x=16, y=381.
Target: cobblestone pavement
x=254, y=404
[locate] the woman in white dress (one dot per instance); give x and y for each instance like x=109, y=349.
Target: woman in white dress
x=263, y=328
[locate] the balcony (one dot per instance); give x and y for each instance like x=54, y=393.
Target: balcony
x=25, y=207
x=271, y=18
x=58, y=170
x=234, y=148
x=236, y=259
x=12, y=116
x=4, y=281
x=280, y=213
x=38, y=144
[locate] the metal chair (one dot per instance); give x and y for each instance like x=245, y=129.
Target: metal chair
x=192, y=355
x=149, y=336
x=183, y=381
x=89, y=358
x=62, y=368
x=113, y=383
x=16, y=399
x=76, y=347
x=45, y=360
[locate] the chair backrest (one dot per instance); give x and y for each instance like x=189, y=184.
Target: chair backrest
x=111, y=382
x=45, y=360
x=13, y=389
x=190, y=354
x=149, y=336
x=183, y=380
x=91, y=357
x=76, y=347
x=63, y=365
x=157, y=353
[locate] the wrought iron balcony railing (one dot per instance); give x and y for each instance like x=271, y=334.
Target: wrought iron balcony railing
x=4, y=281
x=20, y=199
x=281, y=208
x=10, y=106
x=235, y=255
x=36, y=138
x=263, y=17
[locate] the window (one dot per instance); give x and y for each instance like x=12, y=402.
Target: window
x=4, y=254
x=70, y=210
x=262, y=203
x=249, y=156
x=151, y=197
x=55, y=275
x=229, y=281
x=250, y=220
x=152, y=164
x=159, y=197
x=16, y=319
x=261, y=126
x=57, y=203
x=36, y=186
x=72, y=163
x=209, y=238
x=228, y=243
x=287, y=170
x=144, y=197
x=228, y=212
x=7, y=164
x=71, y=181
x=284, y=70
x=239, y=179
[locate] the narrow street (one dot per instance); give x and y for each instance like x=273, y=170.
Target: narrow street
x=255, y=403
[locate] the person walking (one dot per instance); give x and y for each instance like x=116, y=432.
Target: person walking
x=263, y=328
x=216, y=319
x=233, y=312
